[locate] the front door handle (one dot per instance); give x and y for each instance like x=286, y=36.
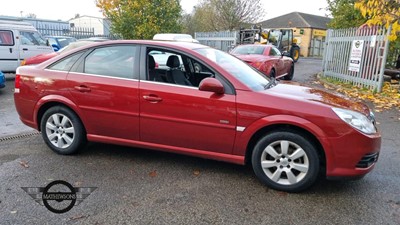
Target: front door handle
x=82, y=88
x=25, y=49
x=152, y=98
x=10, y=50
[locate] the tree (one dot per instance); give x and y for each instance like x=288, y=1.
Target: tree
x=141, y=19
x=344, y=14
x=381, y=12
x=200, y=20
x=217, y=15
x=232, y=14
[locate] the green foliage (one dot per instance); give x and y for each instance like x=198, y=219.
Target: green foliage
x=141, y=19
x=344, y=14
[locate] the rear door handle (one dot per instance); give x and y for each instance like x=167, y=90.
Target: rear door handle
x=82, y=88
x=11, y=50
x=25, y=49
x=152, y=98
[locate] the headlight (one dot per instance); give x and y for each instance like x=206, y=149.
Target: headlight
x=356, y=120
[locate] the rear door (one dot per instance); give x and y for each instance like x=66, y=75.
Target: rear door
x=8, y=51
x=104, y=85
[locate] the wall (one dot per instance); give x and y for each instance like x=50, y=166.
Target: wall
x=99, y=24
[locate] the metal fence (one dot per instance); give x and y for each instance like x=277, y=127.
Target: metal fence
x=76, y=32
x=223, y=40
x=357, y=56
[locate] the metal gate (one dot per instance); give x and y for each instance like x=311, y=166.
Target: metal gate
x=222, y=40
x=357, y=55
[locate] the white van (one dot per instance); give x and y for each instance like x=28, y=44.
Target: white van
x=18, y=41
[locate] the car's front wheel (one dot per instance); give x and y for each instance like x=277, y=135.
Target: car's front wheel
x=62, y=130
x=285, y=161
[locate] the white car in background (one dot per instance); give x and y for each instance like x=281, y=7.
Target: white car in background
x=174, y=37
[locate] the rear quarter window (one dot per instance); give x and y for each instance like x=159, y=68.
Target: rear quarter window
x=65, y=64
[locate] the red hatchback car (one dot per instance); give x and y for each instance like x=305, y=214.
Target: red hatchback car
x=204, y=103
x=267, y=59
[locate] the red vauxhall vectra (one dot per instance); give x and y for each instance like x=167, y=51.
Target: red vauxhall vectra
x=204, y=103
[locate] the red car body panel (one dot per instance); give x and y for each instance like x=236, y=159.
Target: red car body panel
x=185, y=120
x=40, y=58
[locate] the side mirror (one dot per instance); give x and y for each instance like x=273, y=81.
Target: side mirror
x=211, y=85
x=55, y=47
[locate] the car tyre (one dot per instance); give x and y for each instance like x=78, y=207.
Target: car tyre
x=290, y=74
x=285, y=161
x=295, y=53
x=62, y=130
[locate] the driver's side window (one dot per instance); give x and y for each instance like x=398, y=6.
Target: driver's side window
x=175, y=68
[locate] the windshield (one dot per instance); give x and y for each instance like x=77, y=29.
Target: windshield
x=248, y=50
x=236, y=67
x=65, y=41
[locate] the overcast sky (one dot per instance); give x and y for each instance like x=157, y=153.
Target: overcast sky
x=66, y=9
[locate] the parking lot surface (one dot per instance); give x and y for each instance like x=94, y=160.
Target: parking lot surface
x=137, y=186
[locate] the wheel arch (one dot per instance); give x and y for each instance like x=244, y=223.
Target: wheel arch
x=285, y=127
x=50, y=101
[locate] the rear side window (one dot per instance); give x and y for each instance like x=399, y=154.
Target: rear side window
x=113, y=61
x=66, y=63
x=6, y=38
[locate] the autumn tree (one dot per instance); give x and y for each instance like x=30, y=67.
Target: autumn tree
x=344, y=14
x=200, y=20
x=141, y=19
x=217, y=15
x=381, y=12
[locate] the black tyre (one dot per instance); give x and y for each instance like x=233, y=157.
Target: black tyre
x=62, y=130
x=285, y=161
x=295, y=53
x=290, y=74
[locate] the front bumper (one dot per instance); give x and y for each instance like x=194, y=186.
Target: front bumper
x=352, y=155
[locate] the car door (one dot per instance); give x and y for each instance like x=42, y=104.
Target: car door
x=185, y=117
x=32, y=44
x=8, y=51
x=278, y=61
x=104, y=85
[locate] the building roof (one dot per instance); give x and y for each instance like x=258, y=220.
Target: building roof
x=15, y=18
x=297, y=19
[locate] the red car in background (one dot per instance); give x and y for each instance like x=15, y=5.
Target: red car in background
x=267, y=59
x=43, y=57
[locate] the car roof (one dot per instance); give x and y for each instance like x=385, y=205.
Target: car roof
x=171, y=44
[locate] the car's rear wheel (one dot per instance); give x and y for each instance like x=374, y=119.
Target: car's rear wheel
x=285, y=161
x=290, y=74
x=62, y=130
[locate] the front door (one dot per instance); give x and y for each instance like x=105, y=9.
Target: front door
x=177, y=113
x=32, y=44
